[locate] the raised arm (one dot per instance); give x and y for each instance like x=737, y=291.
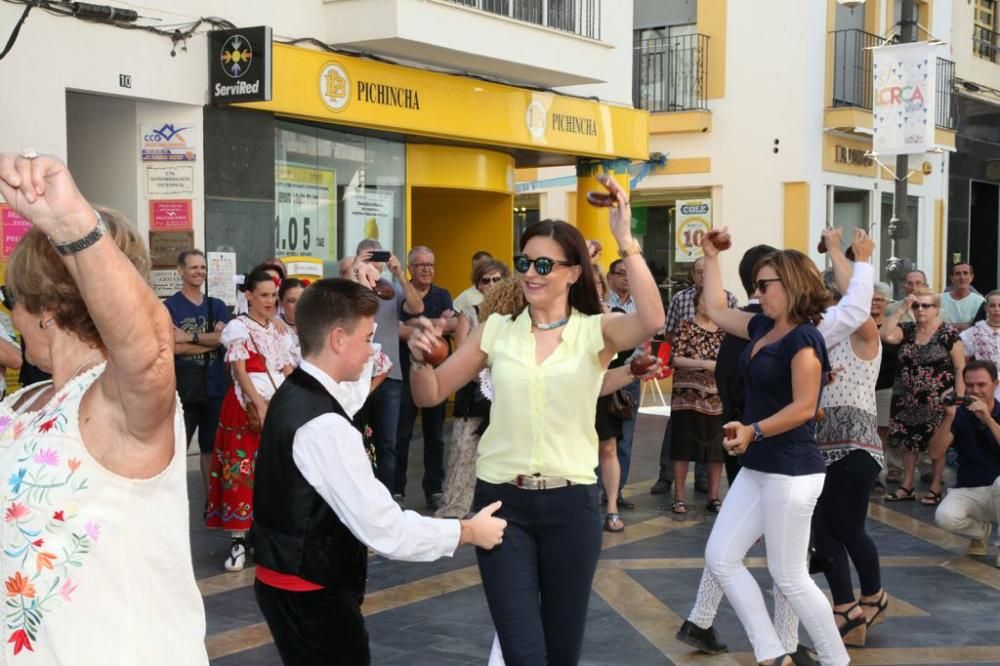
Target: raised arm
x=140, y=347
x=732, y=321
x=891, y=332
x=630, y=330
x=854, y=309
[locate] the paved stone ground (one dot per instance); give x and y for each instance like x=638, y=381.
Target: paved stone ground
x=945, y=605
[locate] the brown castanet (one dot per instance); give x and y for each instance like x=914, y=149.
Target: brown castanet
x=438, y=353
x=383, y=289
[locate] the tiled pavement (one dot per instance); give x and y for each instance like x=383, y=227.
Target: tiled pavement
x=945, y=606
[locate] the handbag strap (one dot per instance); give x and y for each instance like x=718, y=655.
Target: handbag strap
x=267, y=371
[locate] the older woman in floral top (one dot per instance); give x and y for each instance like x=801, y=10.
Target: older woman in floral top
x=930, y=362
x=695, y=408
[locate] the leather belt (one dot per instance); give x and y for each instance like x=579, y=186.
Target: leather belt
x=539, y=482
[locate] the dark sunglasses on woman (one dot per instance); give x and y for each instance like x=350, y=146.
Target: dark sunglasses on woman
x=543, y=265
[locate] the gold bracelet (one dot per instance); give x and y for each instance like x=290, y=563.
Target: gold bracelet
x=418, y=365
x=629, y=251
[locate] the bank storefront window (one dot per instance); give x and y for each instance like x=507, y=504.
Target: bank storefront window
x=671, y=248
x=332, y=189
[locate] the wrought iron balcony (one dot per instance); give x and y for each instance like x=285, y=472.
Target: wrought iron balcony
x=986, y=43
x=853, y=78
x=671, y=74
x=580, y=17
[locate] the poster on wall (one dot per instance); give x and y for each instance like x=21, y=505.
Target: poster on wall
x=305, y=206
x=369, y=214
x=170, y=215
x=221, y=271
x=165, y=246
x=13, y=227
x=691, y=222
x=165, y=282
x=903, y=108
x=168, y=142
x=169, y=181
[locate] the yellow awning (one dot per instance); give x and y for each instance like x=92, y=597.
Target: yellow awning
x=346, y=90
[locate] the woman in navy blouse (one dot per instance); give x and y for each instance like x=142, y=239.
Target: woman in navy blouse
x=783, y=470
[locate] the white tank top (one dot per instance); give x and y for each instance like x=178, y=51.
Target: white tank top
x=97, y=567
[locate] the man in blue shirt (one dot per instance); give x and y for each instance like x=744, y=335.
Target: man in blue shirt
x=973, y=430
x=198, y=323
x=437, y=305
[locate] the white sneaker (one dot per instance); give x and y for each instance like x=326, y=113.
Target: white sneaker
x=237, y=556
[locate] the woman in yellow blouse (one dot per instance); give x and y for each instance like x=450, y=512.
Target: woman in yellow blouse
x=539, y=453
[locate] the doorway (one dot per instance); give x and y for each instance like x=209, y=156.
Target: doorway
x=984, y=217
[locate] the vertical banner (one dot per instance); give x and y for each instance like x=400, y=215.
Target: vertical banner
x=14, y=227
x=305, y=204
x=692, y=221
x=369, y=214
x=904, y=87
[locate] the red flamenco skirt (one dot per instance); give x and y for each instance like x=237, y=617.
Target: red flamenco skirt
x=234, y=459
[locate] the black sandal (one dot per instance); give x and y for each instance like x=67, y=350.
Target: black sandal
x=932, y=498
x=679, y=506
x=882, y=603
x=896, y=497
x=714, y=505
x=854, y=631
x=609, y=523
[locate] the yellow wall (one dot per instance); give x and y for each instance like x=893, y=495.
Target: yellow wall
x=796, y=216
x=455, y=224
x=430, y=165
x=712, y=22
x=593, y=222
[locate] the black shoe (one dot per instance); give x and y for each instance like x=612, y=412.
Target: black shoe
x=661, y=487
x=624, y=503
x=701, y=486
x=703, y=640
x=805, y=656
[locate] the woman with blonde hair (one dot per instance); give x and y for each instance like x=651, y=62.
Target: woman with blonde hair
x=95, y=551
x=783, y=471
x=930, y=358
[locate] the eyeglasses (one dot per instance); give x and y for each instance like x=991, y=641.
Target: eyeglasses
x=490, y=280
x=543, y=265
x=761, y=285
x=6, y=297
x=422, y=265
x=923, y=306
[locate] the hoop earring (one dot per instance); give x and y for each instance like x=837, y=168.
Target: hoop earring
x=42, y=324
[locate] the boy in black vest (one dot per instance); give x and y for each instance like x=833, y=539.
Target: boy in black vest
x=317, y=504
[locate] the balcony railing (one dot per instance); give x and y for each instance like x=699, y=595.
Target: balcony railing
x=986, y=43
x=671, y=74
x=852, y=75
x=580, y=17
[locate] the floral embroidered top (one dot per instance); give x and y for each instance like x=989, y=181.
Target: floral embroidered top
x=96, y=567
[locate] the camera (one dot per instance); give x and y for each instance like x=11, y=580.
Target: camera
x=952, y=400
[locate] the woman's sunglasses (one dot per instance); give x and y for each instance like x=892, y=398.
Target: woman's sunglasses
x=543, y=265
x=6, y=297
x=490, y=280
x=923, y=306
x=761, y=285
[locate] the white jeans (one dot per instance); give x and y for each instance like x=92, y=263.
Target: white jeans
x=779, y=508
x=965, y=511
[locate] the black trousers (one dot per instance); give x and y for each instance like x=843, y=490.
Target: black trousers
x=315, y=628
x=432, y=425
x=203, y=416
x=537, y=582
x=839, y=527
